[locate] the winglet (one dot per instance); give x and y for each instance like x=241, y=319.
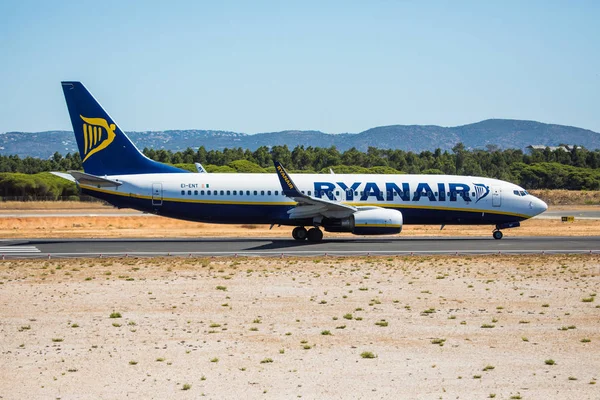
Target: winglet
x=288, y=186
x=200, y=168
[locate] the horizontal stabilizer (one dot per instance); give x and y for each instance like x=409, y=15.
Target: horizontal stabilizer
x=89, y=179
x=63, y=175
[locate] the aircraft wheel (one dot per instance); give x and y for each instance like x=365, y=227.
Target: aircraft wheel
x=315, y=235
x=299, y=233
x=497, y=235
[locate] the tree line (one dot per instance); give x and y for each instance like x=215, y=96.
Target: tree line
x=577, y=169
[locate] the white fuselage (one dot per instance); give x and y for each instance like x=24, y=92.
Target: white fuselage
x=421, y=198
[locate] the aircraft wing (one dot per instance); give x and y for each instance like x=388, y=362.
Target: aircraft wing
x=309, y=206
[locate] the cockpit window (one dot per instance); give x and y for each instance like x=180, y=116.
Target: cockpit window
x=516, y=192
x=523, y=193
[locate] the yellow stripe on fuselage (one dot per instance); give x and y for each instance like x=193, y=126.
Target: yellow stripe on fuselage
x=269, y=203
x=442, y=208
x=377, y=226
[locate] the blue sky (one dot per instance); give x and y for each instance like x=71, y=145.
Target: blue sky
x=334, y=66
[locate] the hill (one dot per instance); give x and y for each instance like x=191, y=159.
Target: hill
x=504, y=133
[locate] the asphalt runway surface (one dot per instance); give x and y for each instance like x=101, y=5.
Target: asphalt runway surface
x=592, y=213
x=277, y=247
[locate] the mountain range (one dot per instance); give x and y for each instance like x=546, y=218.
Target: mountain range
x=504, y=133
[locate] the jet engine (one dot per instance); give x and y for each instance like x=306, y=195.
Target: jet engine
x=377, y=221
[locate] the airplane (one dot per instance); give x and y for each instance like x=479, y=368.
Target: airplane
x=117, y=172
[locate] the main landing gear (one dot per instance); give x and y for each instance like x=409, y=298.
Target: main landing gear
x=497, y=235
x=313, y=235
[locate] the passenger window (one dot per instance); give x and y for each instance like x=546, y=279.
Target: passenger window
x=234, y=192
x=356, y=193
x=241, y=192
x=195, y=193
x=337, y=192
x=303, y=192
x=222, y=193
x=190, y=192
x=309, y=192
x=262, y=192
x=473, y=194
x=247, y=193
x=202, y=192
x=228, y=193
x=277, y=193
x=183, y=192
x=255, y=192
x=268, y=192
x=436, y=193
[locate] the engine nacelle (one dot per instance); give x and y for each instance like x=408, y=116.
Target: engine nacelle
x=378, y=221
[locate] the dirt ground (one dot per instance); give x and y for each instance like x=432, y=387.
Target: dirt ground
x=436, y=327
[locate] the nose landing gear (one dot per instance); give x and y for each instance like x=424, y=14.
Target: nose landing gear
x=497, y=234
x=313, y=235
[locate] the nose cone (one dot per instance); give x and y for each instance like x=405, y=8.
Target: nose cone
x=538, y=206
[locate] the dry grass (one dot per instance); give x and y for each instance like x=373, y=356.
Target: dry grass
x=568, y=197
x=171, y=311
x=153, y=226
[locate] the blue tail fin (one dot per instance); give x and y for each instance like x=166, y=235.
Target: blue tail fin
x=104, y=148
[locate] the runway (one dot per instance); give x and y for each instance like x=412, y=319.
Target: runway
x=277, y=247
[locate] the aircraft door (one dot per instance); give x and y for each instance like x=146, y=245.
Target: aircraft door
x=157, y=194
x=496, y=197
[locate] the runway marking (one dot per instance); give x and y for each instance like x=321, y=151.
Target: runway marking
x=18, y=249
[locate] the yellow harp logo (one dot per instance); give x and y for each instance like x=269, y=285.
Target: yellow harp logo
x=97, y=135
